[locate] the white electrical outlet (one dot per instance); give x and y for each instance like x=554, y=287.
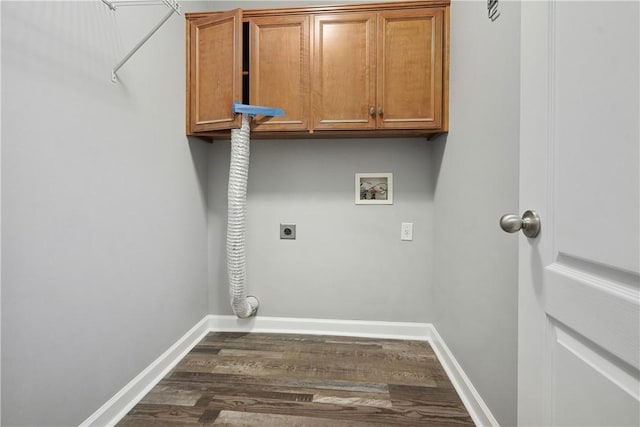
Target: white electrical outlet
x=406, y=231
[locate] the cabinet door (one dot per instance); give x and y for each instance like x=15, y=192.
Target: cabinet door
x=279, y=71
x=214, y=71
x=343, y=83
x=409, y=92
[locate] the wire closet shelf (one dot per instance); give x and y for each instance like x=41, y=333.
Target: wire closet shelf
x=173, y=6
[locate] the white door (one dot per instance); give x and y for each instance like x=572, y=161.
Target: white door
x=579, y=317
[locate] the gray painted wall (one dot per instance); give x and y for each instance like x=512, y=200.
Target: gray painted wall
x=104, y=206
x=348, y=261
x=476, y=263
x=104, y=210
x=463, y=279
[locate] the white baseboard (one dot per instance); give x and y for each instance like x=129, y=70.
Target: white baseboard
x=118, y=406
x=124, y=400
x=476, y=407
x=290, y=325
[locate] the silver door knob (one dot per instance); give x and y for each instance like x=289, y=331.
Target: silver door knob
x=529, y=223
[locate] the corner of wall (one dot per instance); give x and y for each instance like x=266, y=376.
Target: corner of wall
x=475, y=273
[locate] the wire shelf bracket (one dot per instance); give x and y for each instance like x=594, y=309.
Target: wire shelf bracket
x=173, y=6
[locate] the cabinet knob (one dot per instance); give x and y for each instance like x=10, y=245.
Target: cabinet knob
x=372, y=111
x=380, y=111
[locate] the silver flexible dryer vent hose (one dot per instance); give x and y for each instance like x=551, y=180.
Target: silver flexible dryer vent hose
x=242, y=305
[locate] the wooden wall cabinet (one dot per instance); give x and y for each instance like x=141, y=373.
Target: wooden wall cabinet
x=279, y=71
x=378, y=71
x=409, y=69
x=344, y=71
x=214, y=64
x=355, y=70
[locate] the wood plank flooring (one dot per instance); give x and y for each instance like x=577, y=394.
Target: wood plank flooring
x=239, y=379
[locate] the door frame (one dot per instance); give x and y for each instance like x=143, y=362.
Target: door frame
x=536, y=145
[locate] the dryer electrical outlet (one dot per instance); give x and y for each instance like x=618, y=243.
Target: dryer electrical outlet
x=288, y=231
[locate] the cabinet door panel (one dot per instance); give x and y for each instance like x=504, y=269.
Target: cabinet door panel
x=215, y=64
x=410, y=69
x=279, y=71
x=343, y=71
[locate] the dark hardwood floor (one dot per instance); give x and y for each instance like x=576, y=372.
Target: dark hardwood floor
x=238, y=379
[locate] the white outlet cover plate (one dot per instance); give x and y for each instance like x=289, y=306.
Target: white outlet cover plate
x=406, y=231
